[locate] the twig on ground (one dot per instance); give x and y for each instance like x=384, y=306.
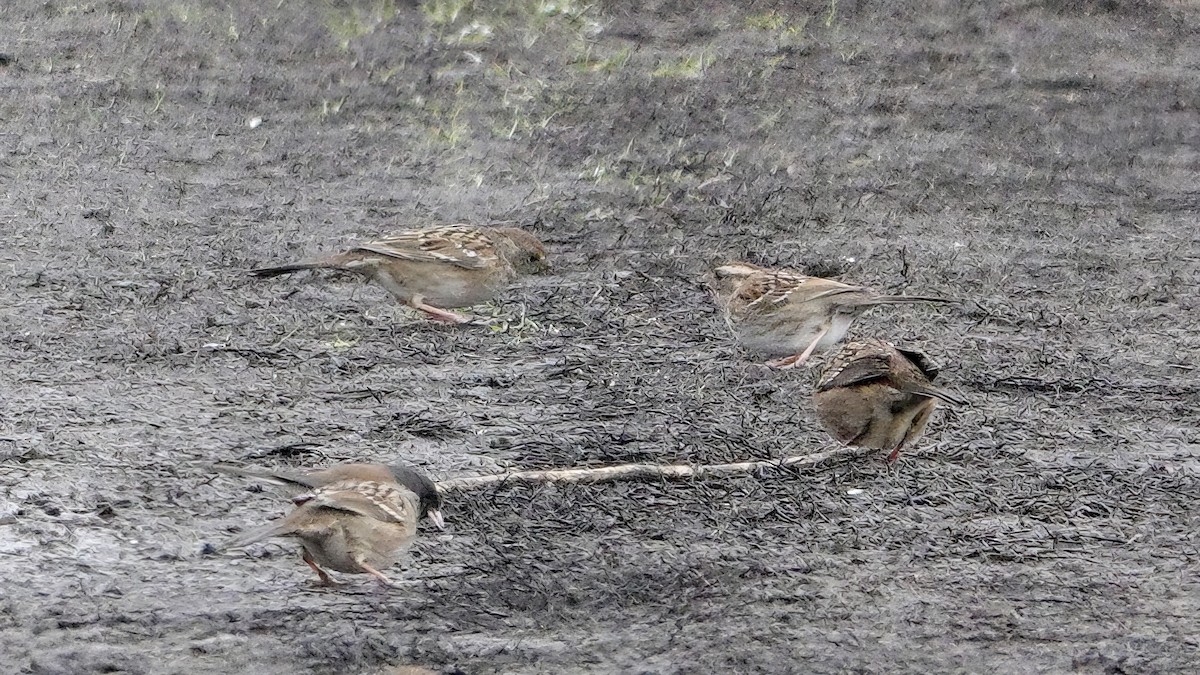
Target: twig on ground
x=642, y=471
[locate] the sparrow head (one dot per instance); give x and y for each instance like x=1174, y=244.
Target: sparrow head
x=736, y=270
x=426, y=491
x=726, y=279
x=524, y=251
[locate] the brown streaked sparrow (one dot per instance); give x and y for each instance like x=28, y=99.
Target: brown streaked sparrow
x=355, y=519
x=781, y=312
x=414, y=481
x=873, y=395
x=439, y=267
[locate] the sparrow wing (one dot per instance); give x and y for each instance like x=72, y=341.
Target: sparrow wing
x=779, y=288
x=458, y=245
x=816, y=288
x=858, y=370
x=386, y=503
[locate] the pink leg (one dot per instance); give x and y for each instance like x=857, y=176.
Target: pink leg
x=438, y=314
x=797, y=359
x=326, y=580
x=376, y=573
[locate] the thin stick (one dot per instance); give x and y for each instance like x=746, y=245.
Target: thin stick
x=641, y=471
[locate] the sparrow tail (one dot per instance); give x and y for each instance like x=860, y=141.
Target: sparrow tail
x=264, y=272
x=901, y=299
x=277, y=477
x=952, y=399
x=940, y=394
x=278, y=528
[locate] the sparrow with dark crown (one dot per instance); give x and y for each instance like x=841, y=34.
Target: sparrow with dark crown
x=873, y=395
x=352, y=518
x=437, y=268
x=782, y=313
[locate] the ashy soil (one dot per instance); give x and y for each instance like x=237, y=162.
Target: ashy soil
x=1037, y=160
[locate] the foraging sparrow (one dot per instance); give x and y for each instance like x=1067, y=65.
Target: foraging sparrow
x=439, y=267
x=415, y=482
x=354, y=520
x=873, y=395
x=779, y=312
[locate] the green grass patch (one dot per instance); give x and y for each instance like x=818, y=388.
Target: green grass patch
x=350, y=22
x=689, y=67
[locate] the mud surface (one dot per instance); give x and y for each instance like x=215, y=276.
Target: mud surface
x=1036, y=159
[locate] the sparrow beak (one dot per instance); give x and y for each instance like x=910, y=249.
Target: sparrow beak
x=435, y=517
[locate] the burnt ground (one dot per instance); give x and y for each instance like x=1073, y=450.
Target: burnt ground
x=1036, y=159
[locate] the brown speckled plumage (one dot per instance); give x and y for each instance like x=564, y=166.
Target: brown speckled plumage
x=438, y=267
x=356, y=518
x=874, y=395
x=783, y=313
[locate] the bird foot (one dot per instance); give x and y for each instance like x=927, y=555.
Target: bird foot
x=789, y=362
x=379, y=576
x=327, y=581
x=798, y=359
x=323, y=578
x=447, y=317
x=437, y=313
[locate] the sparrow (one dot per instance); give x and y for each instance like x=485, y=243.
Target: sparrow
x=781, y=312
x=435, y=268
x=299, y=481
x=873, y=395
x=353, y=518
